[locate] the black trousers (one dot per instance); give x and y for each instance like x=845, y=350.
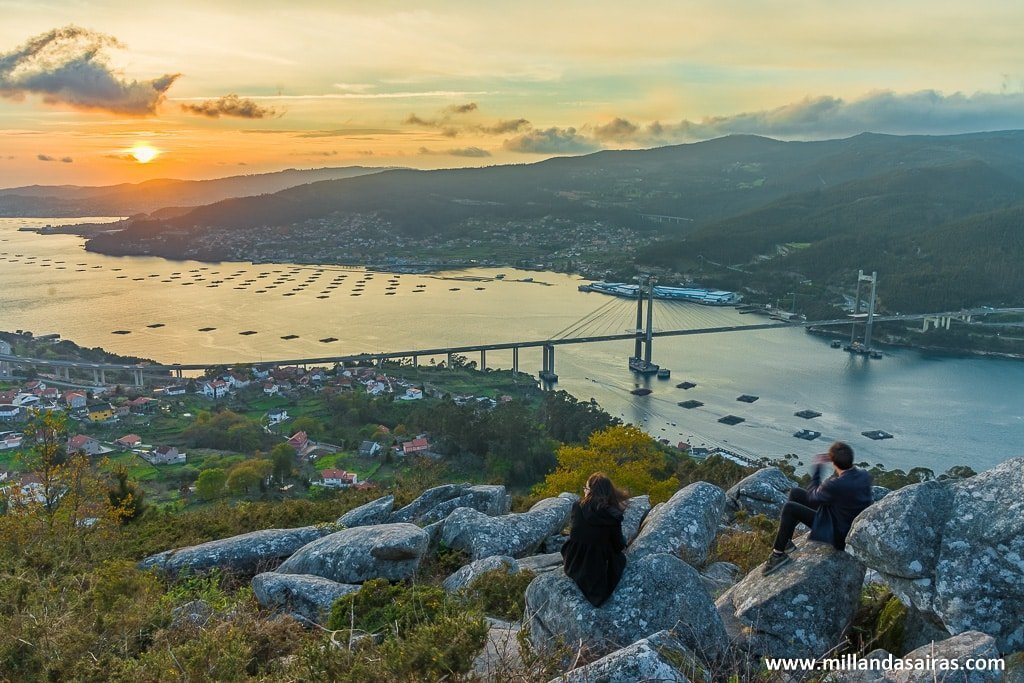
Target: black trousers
x=798, y=509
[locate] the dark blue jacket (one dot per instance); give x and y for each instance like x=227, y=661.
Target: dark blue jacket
x=838, y=500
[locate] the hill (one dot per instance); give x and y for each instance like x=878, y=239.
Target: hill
x=128, y=199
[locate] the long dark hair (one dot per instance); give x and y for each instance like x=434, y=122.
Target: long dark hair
x=601, y=493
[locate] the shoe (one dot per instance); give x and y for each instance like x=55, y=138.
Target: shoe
x=775, y=562
x=791, y=547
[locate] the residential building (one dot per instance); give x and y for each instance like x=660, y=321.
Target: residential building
x=277, y=416
x=165, y=455
x=299, y=441
x=143, y=405
x=128, y=442
x=215, y=389
x=338, y=479
x=83, y=443
x=270, y=388
x=9, y=412
x=412, y=394
x=417, y=445
x=237, y=380
x=176, y=390
x=75, y=399
x=100, y=411
x=368, y=449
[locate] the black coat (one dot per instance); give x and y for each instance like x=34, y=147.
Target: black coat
x=592, y=557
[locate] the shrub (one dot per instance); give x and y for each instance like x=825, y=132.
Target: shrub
x=750, y=546
x=499, y=593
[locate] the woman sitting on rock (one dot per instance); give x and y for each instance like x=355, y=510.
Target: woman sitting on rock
x=593, y=554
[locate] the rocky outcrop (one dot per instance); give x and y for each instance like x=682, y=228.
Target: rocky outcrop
x=465, y=575
x=306, y=597
x=762, y=493
x=970, y=645
x=246, y=554
x=719, y=577
x=637, y=509
x=684, y=526
x=381, y=551
x=801, y=610
x=501, y=658
x=657, y=592
x=374, y=512
x=953, y=550
x=437, y=503
x=516, y=535
x=539, y=564
x=660, y=657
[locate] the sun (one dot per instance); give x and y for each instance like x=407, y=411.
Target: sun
x=143, y=153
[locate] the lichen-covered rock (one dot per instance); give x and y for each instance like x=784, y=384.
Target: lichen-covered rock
x=659, y=657
x=380, y=551
x=516, y=535
x=657, y=592
x=762, y=493
x=501, y=658
x=684, y=526
x=718, y=577
x=801, y=610
x=465, y=575
x=637, y=509
x=426, y=501
x=878, y=493
x=539, y=564
x=492, y=500
x=307, y=597
x=970, y=646
x=374, y=512
x=246, y=554
x=553, y=544
x=953, y=549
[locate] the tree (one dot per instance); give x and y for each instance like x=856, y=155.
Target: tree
x=125, y=496
x=210, y=484
x=314, y=428
x=245, y=475
x=630, y=458
x=282, y=459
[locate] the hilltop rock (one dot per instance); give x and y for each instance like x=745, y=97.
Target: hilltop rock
x=374, y=512
x=380, y=551
x=437, y=503
x=762, y=493
x=684, y=526
x=878, y=493
x=719, y=577
x=302, y=595
x=539, y=564
x=953, y=550
x=517, y=535
x=502, y=657
x=637, y=509
x=801, y=610
x=246, y=554
x=464, y=576
x=655, y=658
x=657, y=592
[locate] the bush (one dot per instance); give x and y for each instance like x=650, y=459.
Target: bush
x=747, y=547
x=500, y=594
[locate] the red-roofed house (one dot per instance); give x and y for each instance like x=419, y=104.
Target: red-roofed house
x=339, y=479
x=415, y=446
x=215, y=389
x=128, y=441
x=298, y=441
x=165, y=455
x=143, y=405
x=75, y=399
x=83, y=443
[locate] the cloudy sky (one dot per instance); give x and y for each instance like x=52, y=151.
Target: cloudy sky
x=103, y=91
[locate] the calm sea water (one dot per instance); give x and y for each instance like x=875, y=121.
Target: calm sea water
x=943, y=410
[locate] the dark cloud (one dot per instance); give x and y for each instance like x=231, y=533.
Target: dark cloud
x=462, y=108
x=923, y=112
x=550, y=141
x=67, y=66
x=231, y=105
x=347, y=132
x=504, y=127
x=414, y=120
x=66, y=160
x=617, y=129
x=475, y=152
x=47, y=157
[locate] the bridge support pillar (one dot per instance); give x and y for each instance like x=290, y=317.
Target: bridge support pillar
x=138, y=377
x=450, y=357
x=103, y=376
x=95, y=376
x=515, y=360
x=949, y=320
x=415, y=361
x=547, y=372
x=483, y=360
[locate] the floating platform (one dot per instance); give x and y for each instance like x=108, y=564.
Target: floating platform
x=207, y=329
x=155, y=325
x=808, y=414
x=747, y=398
x=641, y=391
x=121, y=332
x=877, y=434
x=685, y=385
x=290, y=336
x=247, y=333
x=731, y=420
x=807, y=434
x=690, y=405
x=664, y=373
x=327, y=340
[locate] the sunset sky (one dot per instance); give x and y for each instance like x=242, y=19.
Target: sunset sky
x=89, y=89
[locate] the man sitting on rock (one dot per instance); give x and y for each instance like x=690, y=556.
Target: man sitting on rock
x=828, y=508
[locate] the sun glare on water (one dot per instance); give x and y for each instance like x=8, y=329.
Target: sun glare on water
x=144, y=153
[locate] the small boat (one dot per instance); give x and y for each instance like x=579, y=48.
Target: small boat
x=877, y=434
x=664, y=373
x=641, y=391
x=807, y=434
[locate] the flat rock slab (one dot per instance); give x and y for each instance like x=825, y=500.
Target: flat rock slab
x=246, y=554
x=762, y=493
x=801, y=610
x=466, y=574
x=374, y=512
x=684, y=526
x=437, y=503
x=657, y=592
x=380, y=551
x=308, y=597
